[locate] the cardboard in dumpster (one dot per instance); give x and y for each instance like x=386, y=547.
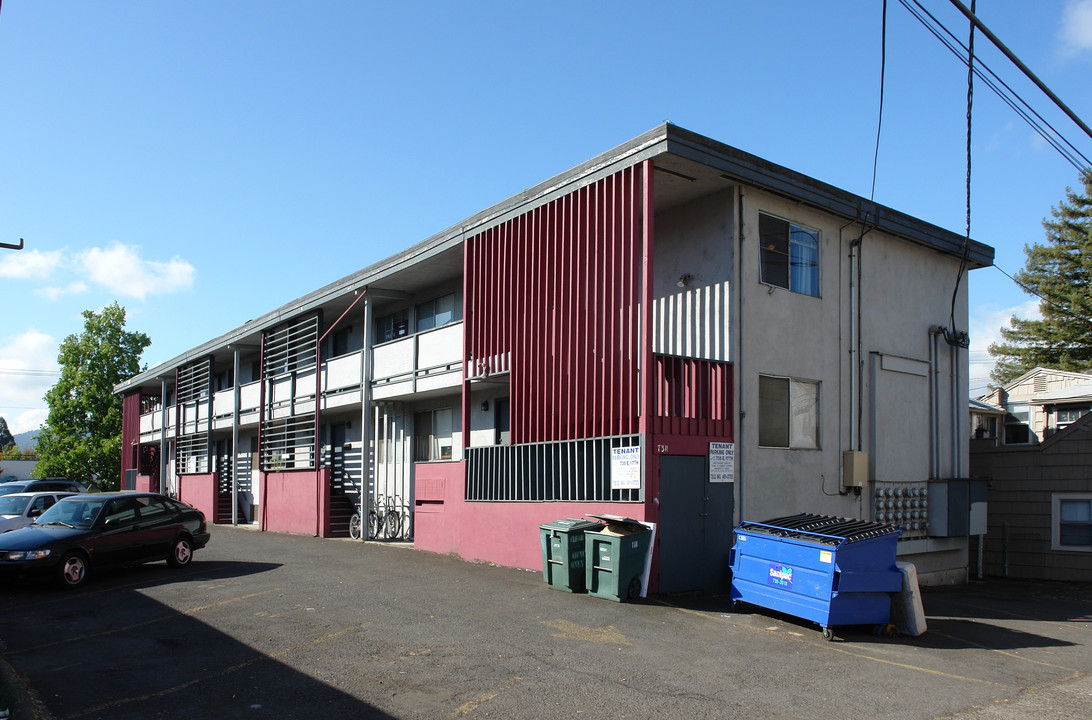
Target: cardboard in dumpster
x=619, y=525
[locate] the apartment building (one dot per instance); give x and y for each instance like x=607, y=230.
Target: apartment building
x=675, y=331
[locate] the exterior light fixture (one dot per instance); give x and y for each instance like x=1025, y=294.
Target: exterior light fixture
x=685, y=280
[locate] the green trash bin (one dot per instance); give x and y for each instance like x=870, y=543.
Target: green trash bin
x=616, y=558
x=563, y=553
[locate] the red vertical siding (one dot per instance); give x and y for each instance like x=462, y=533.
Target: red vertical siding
x=552, y=296
x=130, y=432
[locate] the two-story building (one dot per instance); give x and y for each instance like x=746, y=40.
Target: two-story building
x=674, y=331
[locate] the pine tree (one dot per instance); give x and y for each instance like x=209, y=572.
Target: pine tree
x=1060, y=273
x=6, y=438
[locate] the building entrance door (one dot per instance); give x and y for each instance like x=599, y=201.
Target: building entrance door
x=696, y=521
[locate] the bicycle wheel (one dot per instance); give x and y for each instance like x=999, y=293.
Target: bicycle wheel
x=394, y=524
x=373, y=524
x=355, y=526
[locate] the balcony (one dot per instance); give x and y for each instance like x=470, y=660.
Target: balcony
x=426, y=362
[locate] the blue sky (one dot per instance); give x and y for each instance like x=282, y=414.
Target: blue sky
x=204, y=162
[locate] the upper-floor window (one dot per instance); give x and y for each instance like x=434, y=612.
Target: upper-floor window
x=392, y=326
x=790, y=255
x=436, y=313
x=788, y=413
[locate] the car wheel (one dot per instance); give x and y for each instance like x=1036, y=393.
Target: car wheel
x=72, y=572
x=181, y=553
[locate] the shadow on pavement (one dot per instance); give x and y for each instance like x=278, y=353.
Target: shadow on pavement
x=110, y=650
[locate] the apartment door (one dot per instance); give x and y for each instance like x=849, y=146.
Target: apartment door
x=696, y=521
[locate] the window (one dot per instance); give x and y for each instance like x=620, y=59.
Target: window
x=1066, y=416
x=1017, y=431
x=1071, y=521
x=788, y=413
x=393, y=326
x=790, y=255
x=432, y=431
x=435, y=313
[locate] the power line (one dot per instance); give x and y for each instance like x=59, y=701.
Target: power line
x=1010, y=97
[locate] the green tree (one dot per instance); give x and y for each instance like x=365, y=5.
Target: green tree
x=1060, y=272
x=81, y=437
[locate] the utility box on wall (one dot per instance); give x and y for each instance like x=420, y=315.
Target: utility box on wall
x=957, y=507
x=854, y=469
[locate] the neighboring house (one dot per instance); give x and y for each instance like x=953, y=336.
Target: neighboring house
x=1040, y=506
x=674, y=331
x=1031, y=408
x=11, y=470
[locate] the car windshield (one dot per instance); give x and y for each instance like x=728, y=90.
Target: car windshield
x=9, y=488
x=13, y=505
x=78, y=514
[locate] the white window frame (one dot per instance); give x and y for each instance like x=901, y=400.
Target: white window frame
x=1056, y=500
x=796, y=232
x=1013, y=411
x=799, y=392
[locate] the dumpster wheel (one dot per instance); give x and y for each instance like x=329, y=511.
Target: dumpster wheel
x=634, y=590
x=828, y=634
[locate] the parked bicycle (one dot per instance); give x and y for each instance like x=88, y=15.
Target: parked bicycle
x=386, y=518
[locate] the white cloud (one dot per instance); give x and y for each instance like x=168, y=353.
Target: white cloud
x=121, y=270
x=53, y=292
x=985, y=328
x=1075, y=33
x=29, y=264
x=28, y=367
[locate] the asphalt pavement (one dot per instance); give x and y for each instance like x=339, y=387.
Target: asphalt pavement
x=266, y=625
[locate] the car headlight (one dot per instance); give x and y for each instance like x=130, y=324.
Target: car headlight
x=28, y=554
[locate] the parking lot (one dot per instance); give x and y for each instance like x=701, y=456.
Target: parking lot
x=265, y=625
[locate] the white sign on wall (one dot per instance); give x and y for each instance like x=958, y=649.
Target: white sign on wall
x=625, y=468
x=722, y=462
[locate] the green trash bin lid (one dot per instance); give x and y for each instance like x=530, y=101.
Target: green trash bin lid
x=573, y=525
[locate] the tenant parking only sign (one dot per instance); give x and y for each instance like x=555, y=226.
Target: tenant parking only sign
x=625, y=468
x=722, y=462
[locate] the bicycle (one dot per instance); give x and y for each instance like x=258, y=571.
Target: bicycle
x=355, y=526
x=385, y=519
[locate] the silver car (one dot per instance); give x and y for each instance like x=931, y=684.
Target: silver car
x=19, y=509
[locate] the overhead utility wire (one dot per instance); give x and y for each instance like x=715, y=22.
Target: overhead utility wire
x=1054, y=138
x=1060, y=308
x=879, y=120
x=1024, y=68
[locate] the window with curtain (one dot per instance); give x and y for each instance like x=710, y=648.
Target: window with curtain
x=789, y=255
x=432, y=435
x=788, y=413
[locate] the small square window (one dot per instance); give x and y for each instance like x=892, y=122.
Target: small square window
x=789, y=255
x=788, y=413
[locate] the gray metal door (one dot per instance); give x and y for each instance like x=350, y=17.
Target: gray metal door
x=696, y=521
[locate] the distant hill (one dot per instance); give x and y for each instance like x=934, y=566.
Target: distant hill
x=26, y=440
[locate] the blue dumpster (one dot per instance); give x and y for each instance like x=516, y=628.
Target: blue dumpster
x=829, y=570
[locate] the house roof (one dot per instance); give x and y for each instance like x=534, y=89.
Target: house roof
x=985, y=408
x=690, y=165
x=1073, y=393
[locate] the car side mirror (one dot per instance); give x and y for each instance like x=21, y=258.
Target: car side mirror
x=34, y=512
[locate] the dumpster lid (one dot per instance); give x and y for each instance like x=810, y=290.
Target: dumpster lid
x=831, y=530
x=572, y=525
x=619, y=524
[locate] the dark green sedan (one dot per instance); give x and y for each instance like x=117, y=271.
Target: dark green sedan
x=87, y=531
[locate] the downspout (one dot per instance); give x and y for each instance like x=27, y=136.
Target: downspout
x=737, y=433
x=263, y=503
x=235, y=440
